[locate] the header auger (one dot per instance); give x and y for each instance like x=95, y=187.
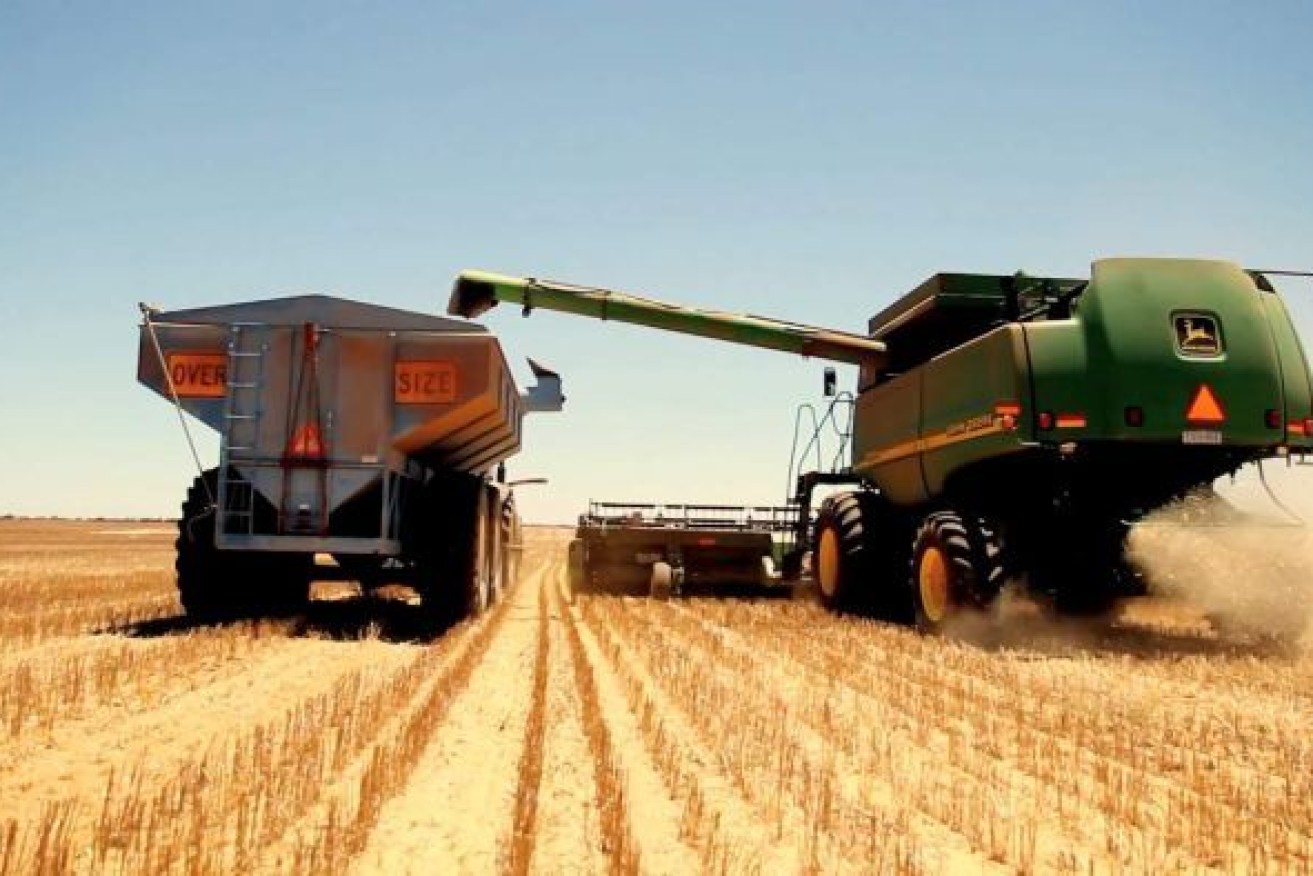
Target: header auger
x=1013, y=427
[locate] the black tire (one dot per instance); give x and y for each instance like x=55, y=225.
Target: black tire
x=860, y=556
x=1084, y=569
x=446, y=548
x=217, y=585
x=957, y=564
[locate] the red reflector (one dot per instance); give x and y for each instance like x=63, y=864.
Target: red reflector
x=1134, y=415
x=1045, y=420
x=706, y=542
x=1007, y=409
x=1272, y=417
x=1205, y=408
x=306, y=444
x=1071, y=421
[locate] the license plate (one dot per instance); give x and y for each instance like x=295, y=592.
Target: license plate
x=1201, y=436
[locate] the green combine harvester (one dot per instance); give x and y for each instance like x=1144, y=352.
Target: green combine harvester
x=1013, y=427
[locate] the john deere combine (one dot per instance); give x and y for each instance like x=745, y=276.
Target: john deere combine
x=1013, y=426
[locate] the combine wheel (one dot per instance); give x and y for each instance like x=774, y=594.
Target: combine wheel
x=957, y=563
x=860, y=555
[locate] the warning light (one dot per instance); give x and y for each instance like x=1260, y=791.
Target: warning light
x=306, y=443
x=1045, y=420
x=1072, y=421
x=1205, y=408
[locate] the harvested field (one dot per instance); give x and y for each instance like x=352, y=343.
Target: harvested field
x=598, y=734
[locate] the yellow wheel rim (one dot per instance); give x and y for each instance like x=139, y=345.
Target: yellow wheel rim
x=827, y=571
x=932, y=578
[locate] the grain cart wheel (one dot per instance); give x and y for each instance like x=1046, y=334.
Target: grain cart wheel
x=197, y=562
x=223, y=585
x=957, y=563
x=447, y=553
x=860, y=556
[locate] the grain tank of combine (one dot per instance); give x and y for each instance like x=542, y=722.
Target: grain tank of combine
x=364, y=432
x=1013, y=427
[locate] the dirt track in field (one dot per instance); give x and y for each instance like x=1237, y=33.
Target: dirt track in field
x=593, y=734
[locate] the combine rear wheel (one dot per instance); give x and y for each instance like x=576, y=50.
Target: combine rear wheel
x=859, y=557
x=957, y=563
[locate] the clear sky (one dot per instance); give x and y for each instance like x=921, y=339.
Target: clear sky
x=804, y=160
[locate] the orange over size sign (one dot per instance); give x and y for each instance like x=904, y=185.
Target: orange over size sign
x=424, y=382
x=199, y=375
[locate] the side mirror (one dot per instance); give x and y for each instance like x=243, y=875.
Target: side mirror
x=829, y=383
x=501, y=473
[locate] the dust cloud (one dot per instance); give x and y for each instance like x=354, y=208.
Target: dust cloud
x=1250, y=574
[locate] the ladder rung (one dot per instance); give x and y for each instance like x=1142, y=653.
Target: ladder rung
x=241, y=354
x=242, y=416
x=243, y=385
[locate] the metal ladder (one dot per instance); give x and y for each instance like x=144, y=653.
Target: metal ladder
x=240, y=434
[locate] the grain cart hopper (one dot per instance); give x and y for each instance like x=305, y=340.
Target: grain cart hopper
x=1014, y=426
x=630, y=547
x=348, y=429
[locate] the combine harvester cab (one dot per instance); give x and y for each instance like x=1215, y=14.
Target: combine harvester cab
x=1013, y=427
x=668, y=550
x=345, y=428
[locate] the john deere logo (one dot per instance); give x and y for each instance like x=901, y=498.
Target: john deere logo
x=1197, y=335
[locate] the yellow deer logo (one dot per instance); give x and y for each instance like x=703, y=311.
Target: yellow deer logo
x=1197, y=335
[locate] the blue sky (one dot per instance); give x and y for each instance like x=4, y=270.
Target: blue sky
x=808, y=161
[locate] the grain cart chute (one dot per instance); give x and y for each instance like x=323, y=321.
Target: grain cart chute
x=664, y=550
x=345, y=428
x=1013, y=427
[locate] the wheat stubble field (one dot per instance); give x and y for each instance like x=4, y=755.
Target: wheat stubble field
x=594, y=734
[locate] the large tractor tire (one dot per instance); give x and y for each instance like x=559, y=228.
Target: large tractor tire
x=957, y=564
x=449, y=550
x=1084, y=569
x=217, y=585
x=860, y=556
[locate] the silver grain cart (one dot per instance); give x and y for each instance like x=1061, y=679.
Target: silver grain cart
x=372, y=434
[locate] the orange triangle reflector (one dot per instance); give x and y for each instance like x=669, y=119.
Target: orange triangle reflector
x=306, y=443
x=1205, y=408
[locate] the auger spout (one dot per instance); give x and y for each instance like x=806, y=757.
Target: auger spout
x=475, y=292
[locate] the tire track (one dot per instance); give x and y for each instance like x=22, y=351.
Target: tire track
x=528, y=786
x=571, y=800
x=459, y=802
x=641, y=820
